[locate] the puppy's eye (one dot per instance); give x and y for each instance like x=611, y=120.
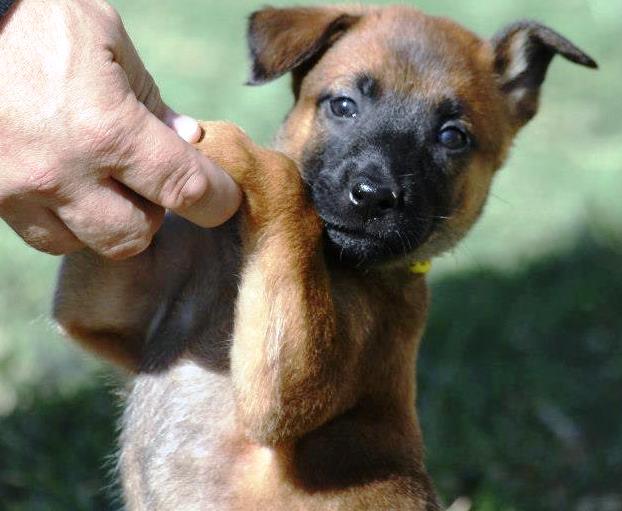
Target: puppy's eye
x=344, y=107
x=453, y=138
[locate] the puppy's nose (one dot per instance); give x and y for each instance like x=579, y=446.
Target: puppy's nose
x=372, y=197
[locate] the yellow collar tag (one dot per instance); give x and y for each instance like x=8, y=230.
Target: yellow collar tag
x=420, y=267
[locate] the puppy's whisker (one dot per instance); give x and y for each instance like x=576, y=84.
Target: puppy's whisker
x=399, y=234
x=433, y=217
x=499, y=198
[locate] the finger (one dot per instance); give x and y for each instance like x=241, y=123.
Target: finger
x=186, y=127
x=167, y=171
x=42, y=229
x=163, y=168
x=112, y=220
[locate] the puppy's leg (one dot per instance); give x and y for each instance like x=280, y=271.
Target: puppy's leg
x=98, y=303
x=291, y=369
x=113, y=307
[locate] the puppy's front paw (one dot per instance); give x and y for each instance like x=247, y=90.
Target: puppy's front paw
x=227, y=145
x=270, y=180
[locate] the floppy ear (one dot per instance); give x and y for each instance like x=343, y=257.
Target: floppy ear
x=523, y=52
x=282, y=40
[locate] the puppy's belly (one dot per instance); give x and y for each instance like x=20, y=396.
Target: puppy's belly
x=182, y=449
x=178, y=440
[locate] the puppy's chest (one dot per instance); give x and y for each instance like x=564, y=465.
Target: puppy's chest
x=181, y=441
x=176, y=430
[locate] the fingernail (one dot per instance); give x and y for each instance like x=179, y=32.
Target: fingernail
x=186, y=127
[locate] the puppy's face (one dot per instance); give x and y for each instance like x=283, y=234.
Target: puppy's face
x=406, y=128
x=401, y=119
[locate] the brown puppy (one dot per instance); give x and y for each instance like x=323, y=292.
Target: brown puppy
x=275, y=356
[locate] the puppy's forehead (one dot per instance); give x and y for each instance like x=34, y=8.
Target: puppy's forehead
x=409, y=52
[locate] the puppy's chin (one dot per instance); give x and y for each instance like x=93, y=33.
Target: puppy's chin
x=354, y=248
x=362, y=249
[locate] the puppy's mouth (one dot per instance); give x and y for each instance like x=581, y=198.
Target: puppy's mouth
x=343, y=230
x=353, y=245
x=362, y=246
x=367, y=236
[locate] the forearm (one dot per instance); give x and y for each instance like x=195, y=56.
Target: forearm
x=290, y=364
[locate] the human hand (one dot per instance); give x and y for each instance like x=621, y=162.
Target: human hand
x=87, y=153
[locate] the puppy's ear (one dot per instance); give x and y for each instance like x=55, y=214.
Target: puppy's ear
x=523, y=52
x=282, y=40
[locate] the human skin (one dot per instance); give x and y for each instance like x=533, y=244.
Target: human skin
x=90, y=155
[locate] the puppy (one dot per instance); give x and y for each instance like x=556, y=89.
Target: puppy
x=274, y=357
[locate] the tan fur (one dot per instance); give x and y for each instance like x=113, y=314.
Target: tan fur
x=302, y=396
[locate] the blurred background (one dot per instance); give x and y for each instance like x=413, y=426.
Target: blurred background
x=520, y=375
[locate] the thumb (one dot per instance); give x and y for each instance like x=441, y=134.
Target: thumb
x=169, y=172
x=164, y=168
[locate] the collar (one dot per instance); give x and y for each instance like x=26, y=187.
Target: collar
x=420, y=267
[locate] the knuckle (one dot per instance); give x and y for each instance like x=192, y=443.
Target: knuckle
x=127, y=244
x=124, y=250
x=46, y=246
x=56, y=249
x=41, y=243
x=185, y=189
x=45, y=241
x=46, y=181
x=110, y=13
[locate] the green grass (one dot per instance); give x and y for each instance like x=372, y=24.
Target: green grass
x=57, y=451
x=521, y=370
x=520, y=380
